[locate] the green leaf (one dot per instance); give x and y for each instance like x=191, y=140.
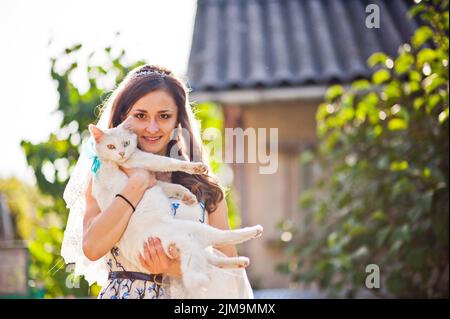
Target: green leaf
x=361, y=85
x=334, y=92
x=433, y=101
x=412, y=86
x=378, y=215
x=393, y=90
x=381, y=76
x=433, y=82
x=397, y=124
x=377, y=130
x=399, y=166
x=443, y=116
x=415, y=76
x=418, y=103
x=403, y=63
x=306, y=199
x=425, y=56
x=377, y=58
x=306, y=157
x=72, y=49
x=415, y=10
x=283, y=268
x=322, y=112
x=422, y=35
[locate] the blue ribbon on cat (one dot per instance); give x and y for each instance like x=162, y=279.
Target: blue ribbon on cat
x=89, y=151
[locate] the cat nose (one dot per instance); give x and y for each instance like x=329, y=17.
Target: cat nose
x=122, y=154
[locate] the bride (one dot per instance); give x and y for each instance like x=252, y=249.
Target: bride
x=157, y=102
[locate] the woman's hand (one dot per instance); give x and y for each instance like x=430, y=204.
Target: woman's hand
x=156, y=261
x=140, y=175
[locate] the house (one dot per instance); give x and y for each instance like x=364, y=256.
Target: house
x=14, y=257
x=268, y=64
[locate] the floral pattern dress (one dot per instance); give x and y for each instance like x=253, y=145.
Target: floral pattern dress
x=135, y=288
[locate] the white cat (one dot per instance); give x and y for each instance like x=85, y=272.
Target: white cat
x=118, y=146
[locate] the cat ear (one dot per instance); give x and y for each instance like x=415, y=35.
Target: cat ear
x=127, y=123
x=96, y=133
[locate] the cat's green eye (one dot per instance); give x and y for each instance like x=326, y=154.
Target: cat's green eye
x=125, y=144
x=111, y=147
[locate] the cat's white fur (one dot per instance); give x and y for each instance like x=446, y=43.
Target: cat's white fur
x=152, y=217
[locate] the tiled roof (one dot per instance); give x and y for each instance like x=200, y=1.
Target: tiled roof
x=241, y=44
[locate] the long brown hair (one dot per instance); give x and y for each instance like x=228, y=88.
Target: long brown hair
x=148, y=78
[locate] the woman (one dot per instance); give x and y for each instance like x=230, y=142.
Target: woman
x=157, y=102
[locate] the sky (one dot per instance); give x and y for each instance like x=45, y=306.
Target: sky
x=31, y=32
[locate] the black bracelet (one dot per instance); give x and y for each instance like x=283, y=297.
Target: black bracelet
x=120, y=195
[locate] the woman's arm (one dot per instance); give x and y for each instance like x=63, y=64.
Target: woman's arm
x=102, y=230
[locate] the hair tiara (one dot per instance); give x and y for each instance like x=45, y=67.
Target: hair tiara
x=144, y=72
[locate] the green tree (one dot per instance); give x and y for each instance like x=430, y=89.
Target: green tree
x=384, y=193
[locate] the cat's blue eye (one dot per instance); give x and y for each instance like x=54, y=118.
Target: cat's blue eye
x=125, y=144
x=111, y=147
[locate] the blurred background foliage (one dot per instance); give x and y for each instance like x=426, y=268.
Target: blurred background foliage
x=42, y=213
x=383, y=194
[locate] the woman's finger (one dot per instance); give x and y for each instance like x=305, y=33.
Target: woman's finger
x=152, y=251
x=144, y=263
x=147, y=258
x=149, y=254
x=163, y=259
x=174, y=252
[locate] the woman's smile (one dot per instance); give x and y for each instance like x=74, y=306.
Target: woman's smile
x=151, y=140
x=154, y=118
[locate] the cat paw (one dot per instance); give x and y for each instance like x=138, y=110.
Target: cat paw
x=258, y=231
x=189, y=199
x=196, y=168
x=183, y=194
x=173, y=252
x=243, y=262
x=186, y=196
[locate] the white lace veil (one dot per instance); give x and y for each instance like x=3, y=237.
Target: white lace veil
x=232, y=281
x=71, y=248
